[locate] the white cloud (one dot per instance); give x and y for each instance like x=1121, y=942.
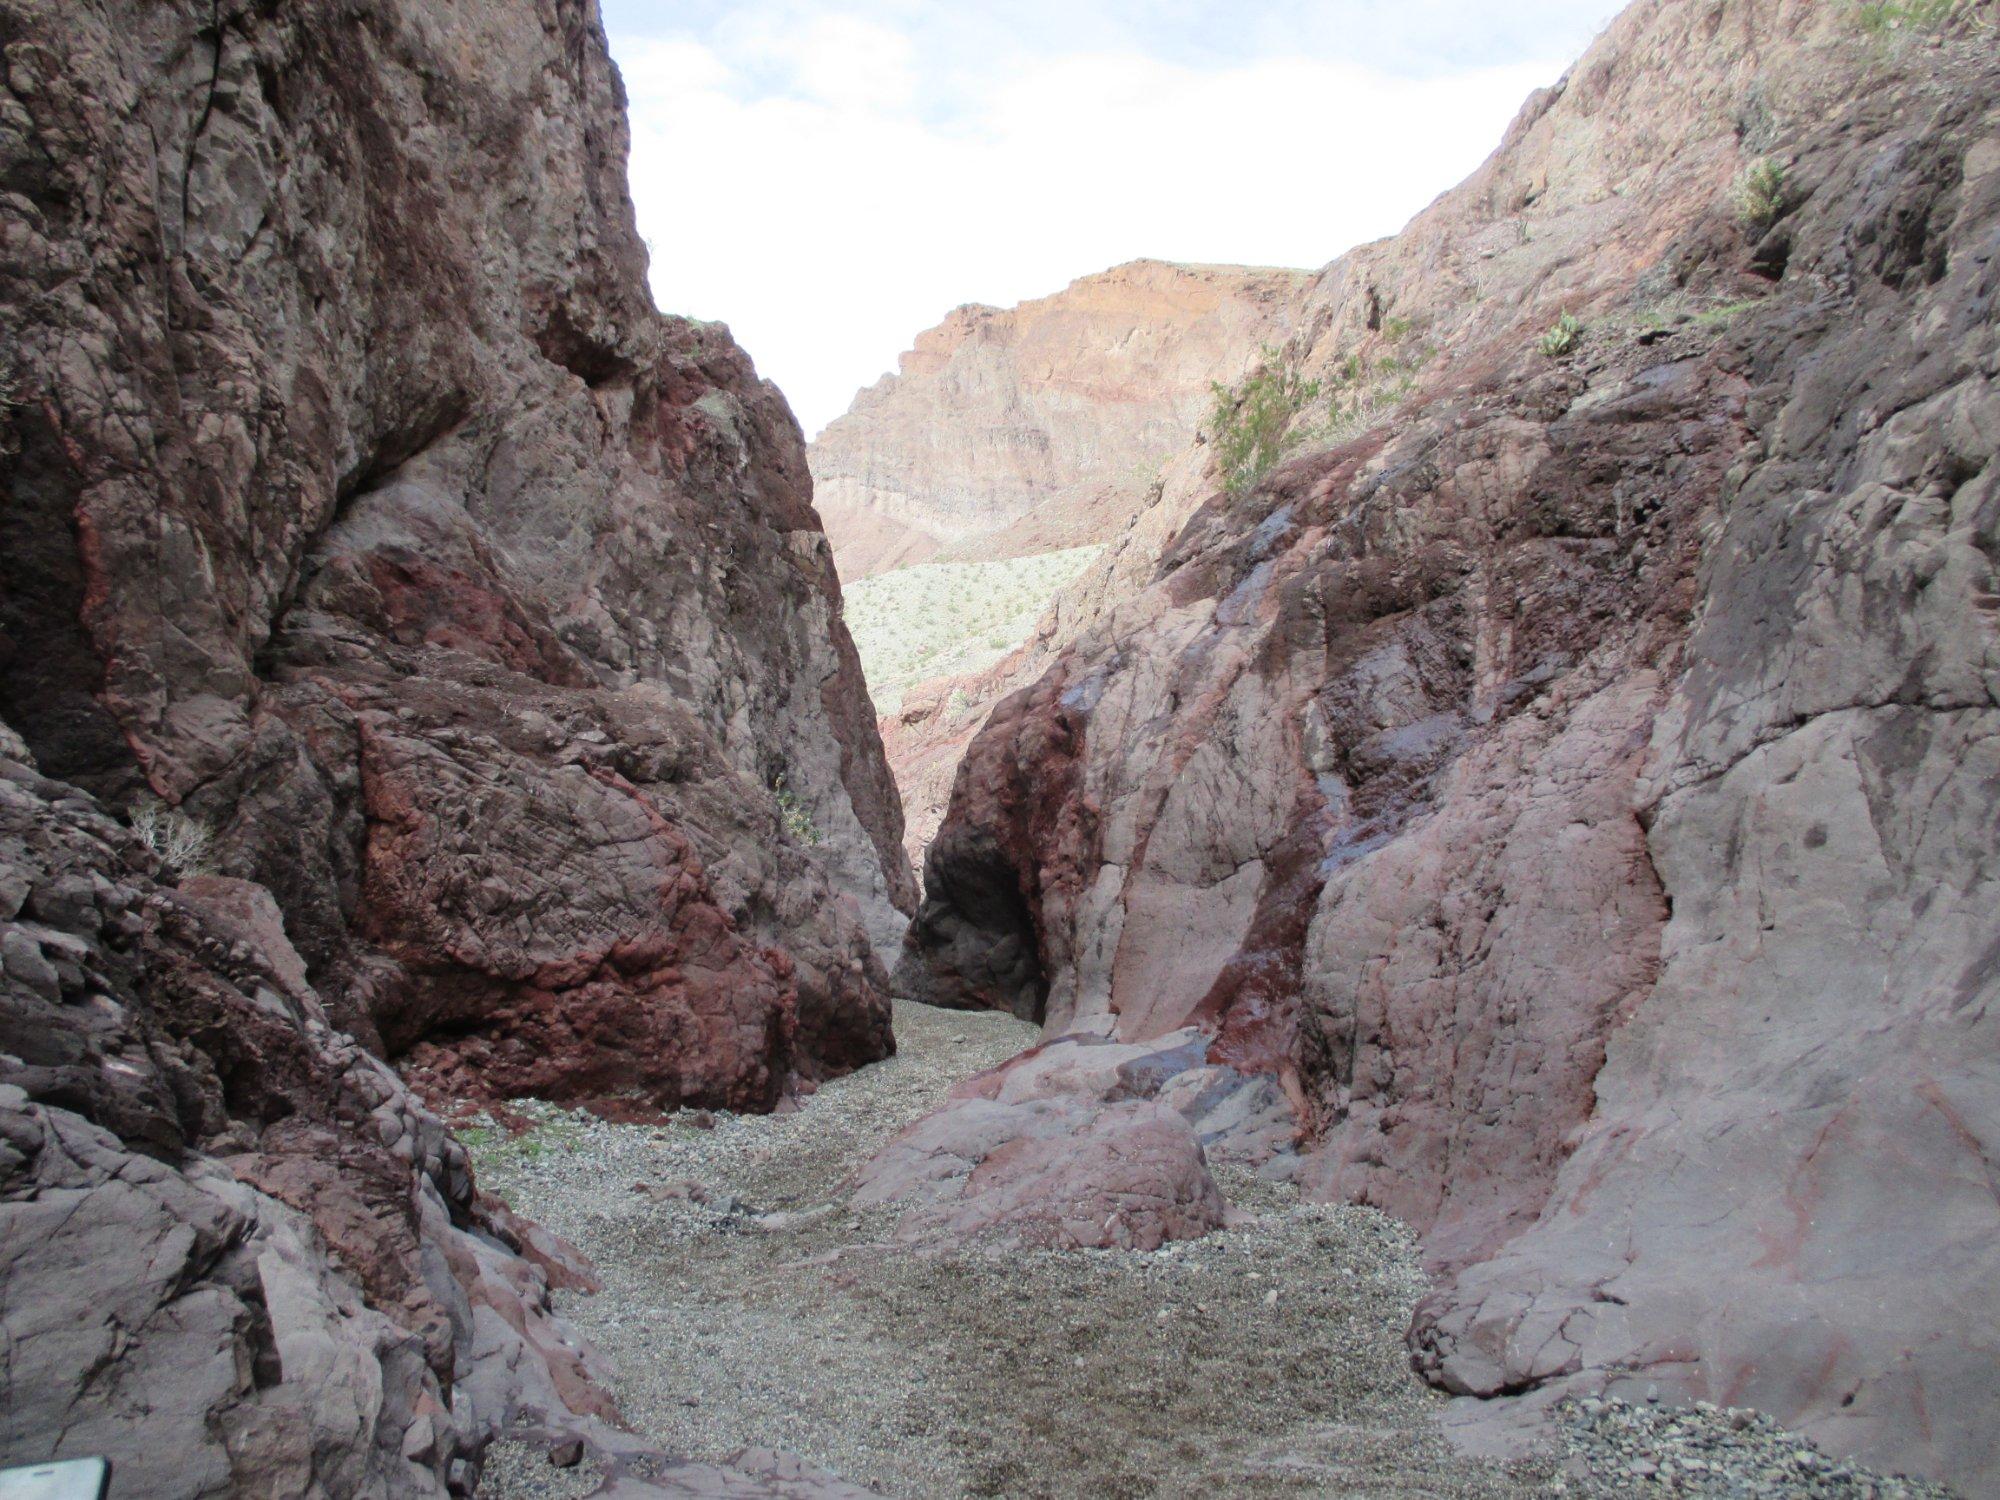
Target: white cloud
x=830, y=182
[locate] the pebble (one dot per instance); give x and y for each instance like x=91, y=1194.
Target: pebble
x=1656, y=1448
x=749, y=1306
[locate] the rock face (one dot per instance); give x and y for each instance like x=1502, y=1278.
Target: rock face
x=1044, y=425
x=368, y=537
x=240, y=1257
x=1575, y=785
x=361, y=507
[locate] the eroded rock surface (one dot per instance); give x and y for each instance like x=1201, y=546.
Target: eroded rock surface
x=362, y=507
x=240, y=1256
x=1083, y=1142
x=371, y=539
x=1573, y=786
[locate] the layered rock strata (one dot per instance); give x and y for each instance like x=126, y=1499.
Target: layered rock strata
x=1012, y=431
x=1574, y=785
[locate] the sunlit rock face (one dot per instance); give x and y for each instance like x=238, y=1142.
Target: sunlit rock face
x=1574, y=782
x=1025, y=429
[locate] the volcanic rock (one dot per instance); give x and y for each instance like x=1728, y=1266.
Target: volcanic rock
x=1082, y=1142
x=1063, y=1173
x=404, y=633
x=1574, y=782
x=363, y=511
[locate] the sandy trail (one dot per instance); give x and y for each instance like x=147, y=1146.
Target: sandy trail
x=1264, y=1360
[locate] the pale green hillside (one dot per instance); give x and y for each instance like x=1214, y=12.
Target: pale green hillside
x=947, y=619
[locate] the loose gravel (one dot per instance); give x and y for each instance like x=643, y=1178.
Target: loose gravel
x=1618, y=1448
x=745, y=1304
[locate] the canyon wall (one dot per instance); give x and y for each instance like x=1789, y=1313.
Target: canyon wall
x=362, y=508
x=1572, y=778
x=460, y=630
x=1041, y=426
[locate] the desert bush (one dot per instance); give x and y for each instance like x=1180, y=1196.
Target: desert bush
x=1251, y=424
x=1759, y=194
x=1360, y=393
x=797, y=818
x=185, y=843
x=1563, y=336
x=943, y=619
x=1905, y=15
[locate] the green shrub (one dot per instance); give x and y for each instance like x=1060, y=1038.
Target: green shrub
x=1360, y=393
x=1562, y=337
x=1759, y=194
x=1904, y=15
x=798, y=820
x=1252, y=424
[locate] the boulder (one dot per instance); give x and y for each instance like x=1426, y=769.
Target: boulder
x=1064, y=1173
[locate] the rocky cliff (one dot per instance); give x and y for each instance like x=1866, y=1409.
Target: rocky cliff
x=371, y=543
x=1044, y=425
x=1571, y=774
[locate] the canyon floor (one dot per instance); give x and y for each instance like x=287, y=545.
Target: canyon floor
x=1266, y=1360
x=746, y=1305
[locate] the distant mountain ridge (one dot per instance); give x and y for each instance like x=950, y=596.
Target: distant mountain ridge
x=1026, y=429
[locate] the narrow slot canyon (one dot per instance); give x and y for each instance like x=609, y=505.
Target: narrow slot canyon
x=1375, y=878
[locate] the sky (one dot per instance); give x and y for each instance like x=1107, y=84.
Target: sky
x=831, y=178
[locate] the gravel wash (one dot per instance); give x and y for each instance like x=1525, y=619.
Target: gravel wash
x=745, y=1305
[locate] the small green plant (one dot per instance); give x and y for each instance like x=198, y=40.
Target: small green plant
x=544, y=1133
x=797, y=817
x=1759, y=194
x=1252, y=424
x=1717, y=317
x=185, y=843
x=1883, y=20
x=1563, y=336
x=1360, y=393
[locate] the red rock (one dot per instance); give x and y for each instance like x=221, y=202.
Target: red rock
x=1575, y=787
x=1062, y=1173
x=360, y=506
x=435, y=505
